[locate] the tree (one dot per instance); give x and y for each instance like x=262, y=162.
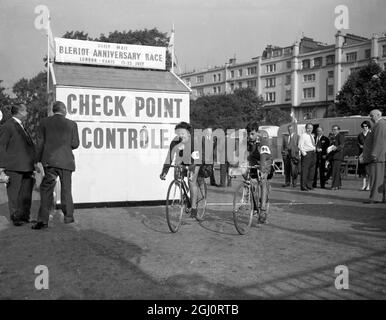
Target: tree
x=5, y=104
x=227, y=110
x=33, y=93
x=363, y=91
x=277, y=117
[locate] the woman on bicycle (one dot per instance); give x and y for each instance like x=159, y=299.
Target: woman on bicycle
x=182, y=147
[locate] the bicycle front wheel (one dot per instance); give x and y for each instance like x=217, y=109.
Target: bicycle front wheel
x=243, y=208
x=201, y=199
x=175, y=206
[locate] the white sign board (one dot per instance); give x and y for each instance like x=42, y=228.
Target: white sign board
x=109, y=54
x=124, y=139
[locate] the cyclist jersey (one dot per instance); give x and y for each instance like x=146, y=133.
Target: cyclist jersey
x=259, y=153
x=185, y=157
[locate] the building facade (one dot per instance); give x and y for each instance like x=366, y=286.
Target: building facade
x=303, y=78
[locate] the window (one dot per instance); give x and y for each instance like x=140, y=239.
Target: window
x=330, y=74
x=232, y=74
x=214, y=89
x=251, y=70
x=219, y=77
x=318, y=62
x=330, y=59
x=232, y=86
x=240, y=72
x=384, y=67
x=367, y=53
x=289, y=64
x=270, y=82
x=330, y=90
x=218, y=89
x=288, y=51
x=251, y=83
x=287, y=79
x=306, y=64
x=276, y=53
x=200, y=92
x=287, y=95
x=240, y=84
x=200, y=79
x=270, y=68
x=214, y=78
x=352, y=70
x=351, y=57
x=384, y=51
x=308, y=93
x=270, y=96
x=309, y=77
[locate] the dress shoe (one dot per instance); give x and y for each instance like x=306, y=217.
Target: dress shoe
x=25, y=219
x=17, y=223
x=193, y=213
x=304, y=189
x=310, y=188
x=39, y=225
x=285, y=185
x=68, y=220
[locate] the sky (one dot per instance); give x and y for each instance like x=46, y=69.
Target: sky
x=207, y=32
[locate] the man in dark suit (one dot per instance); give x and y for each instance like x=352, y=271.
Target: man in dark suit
x=337, y=157
x=322, y=143
x=290, y=154
x=374, y=153
x=57, y=137
x=17, y=160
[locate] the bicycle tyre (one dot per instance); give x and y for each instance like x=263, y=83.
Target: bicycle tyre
x=175, y=206
x=243, y=208
x=201, y=199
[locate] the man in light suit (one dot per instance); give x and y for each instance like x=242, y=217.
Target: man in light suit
x=57, y=137
x=17, y=161
x=374, y=153
x=290, y=154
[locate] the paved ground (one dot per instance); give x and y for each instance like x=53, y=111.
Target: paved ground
x=128, y=253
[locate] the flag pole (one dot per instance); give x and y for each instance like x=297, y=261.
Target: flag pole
x=48, y=59
x=173, y=48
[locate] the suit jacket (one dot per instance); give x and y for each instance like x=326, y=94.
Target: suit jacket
x=17, y=150
x=291, y=148
x=323, y=143
x=57, y=137
x=338, y=141
x=378, y=149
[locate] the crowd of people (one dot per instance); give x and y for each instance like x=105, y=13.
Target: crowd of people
x=312, y=154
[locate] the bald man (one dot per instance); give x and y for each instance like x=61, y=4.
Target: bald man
x=374, y=152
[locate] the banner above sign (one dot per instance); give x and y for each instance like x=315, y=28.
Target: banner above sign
x=110, y=54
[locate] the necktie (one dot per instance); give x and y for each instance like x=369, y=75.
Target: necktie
x=312, y=140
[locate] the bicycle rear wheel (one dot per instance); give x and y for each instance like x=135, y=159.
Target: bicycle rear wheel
x=202, y=192
x=243, y=208
x=175, y=206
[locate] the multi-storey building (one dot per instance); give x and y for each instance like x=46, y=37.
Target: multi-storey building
x=303, y=78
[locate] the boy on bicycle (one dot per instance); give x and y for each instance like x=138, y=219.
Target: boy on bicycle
x=258, y=153
x=182, y=146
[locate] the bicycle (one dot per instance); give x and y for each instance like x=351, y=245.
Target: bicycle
x=245, y=206
x=178, y=198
